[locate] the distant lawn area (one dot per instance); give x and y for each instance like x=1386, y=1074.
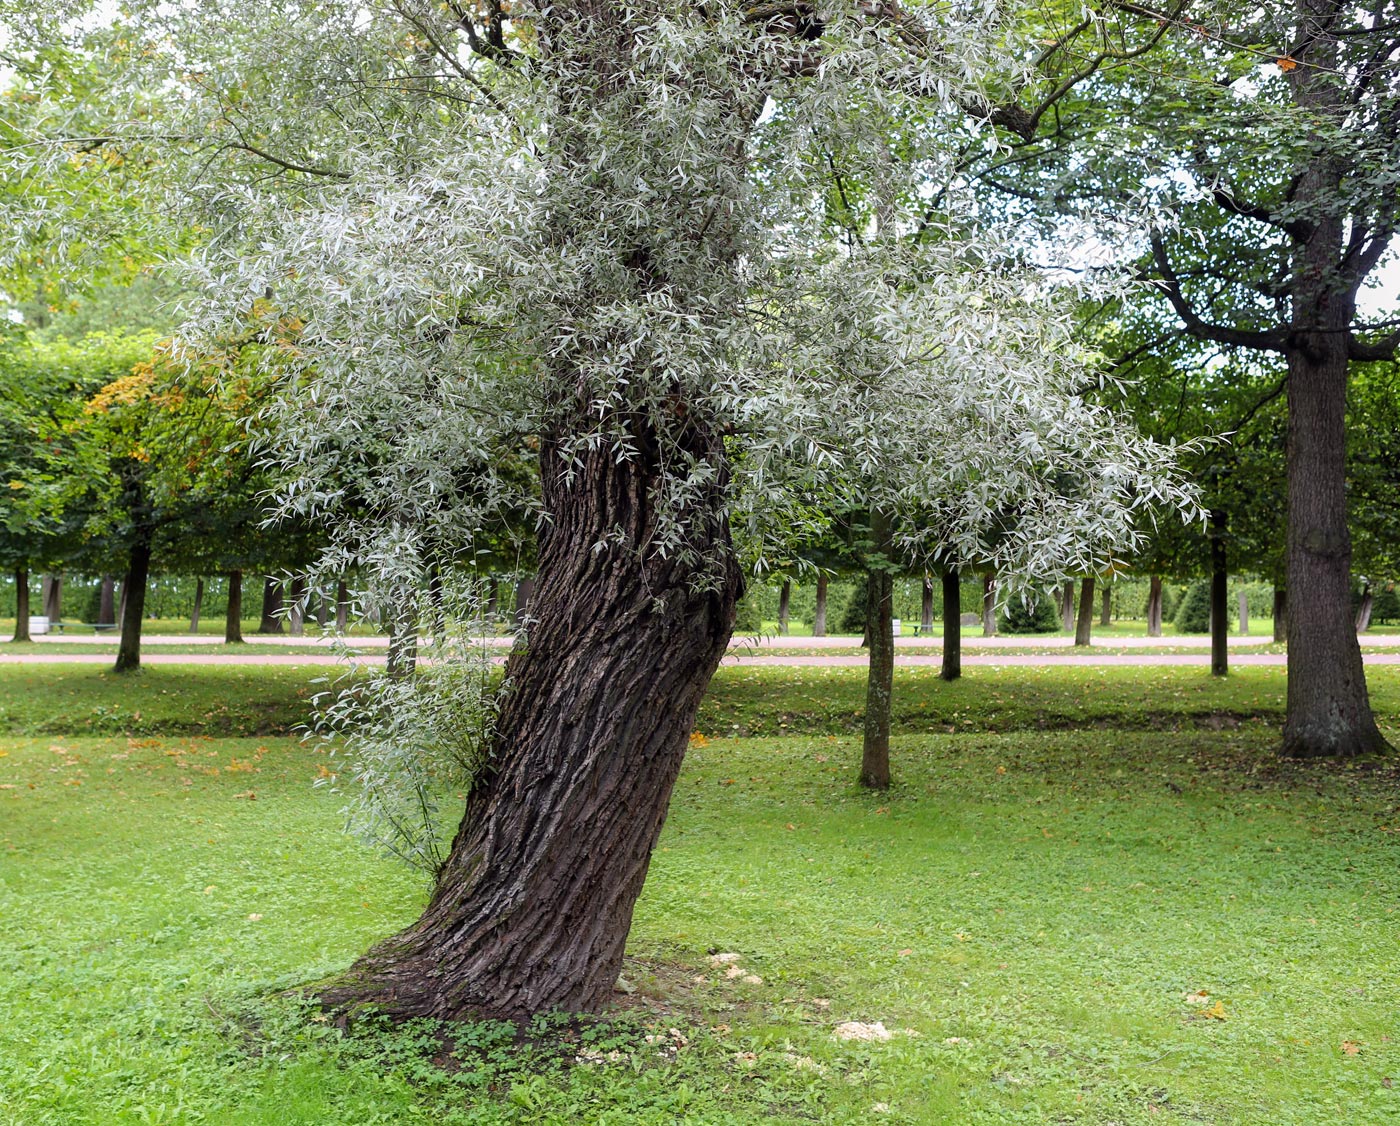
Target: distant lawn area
x=1148, y=920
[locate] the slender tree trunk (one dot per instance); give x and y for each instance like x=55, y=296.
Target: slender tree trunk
x=342, y=605
x=493, y=598
x=198, y=605
x=1084, y=625
x=233, y=614
x=134, y=602
x=524, y=592
x=952, y=625
x=784, y=606
x=1154, y=606
x=531, y=910
x=1106, y=617
x=1280, y=615
x=879, y=684
x=296, y=616
x=322, y=609
x=1244, y=613
x=989, y=605
x=819, y=614
x=272, y=602
x=926, y=608
x=1363, y=612
x=53, y=597
x=21, y=604
x=1219, y=597
x=1067, y=605
x=106, y=602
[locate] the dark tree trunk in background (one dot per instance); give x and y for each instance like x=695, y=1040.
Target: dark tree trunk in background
x=1219, y=597
x=342, y=605
x=1280, y=615
x=296, y=616
x=493, y=597
x=106, y=602
x=1363, y=612
x=531, y=911
x=1154, y=606
x=134, y=601
x=436, y=608
x=819, y=614
x=21, y=604
x=926, y=608
x=879, y=684
x=1084, y=625
x=784, y=606
x=989, y=605
x=1067, y=604
x=53, y=597
x=403, y=637
x=1244, y=613
x=271, y=607
x=1106, y=618
x=198, y=605
x=233, y=615
x=524, y=592
x=322, y=609
x=951, y=668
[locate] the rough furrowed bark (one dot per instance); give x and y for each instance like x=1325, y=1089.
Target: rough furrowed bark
x=532, y=908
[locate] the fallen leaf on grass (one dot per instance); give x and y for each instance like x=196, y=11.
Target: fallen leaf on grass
x=859, y=1030
x=1200, y=997
x=1215, y=1012
x=1351, y=1047
x=724, y=959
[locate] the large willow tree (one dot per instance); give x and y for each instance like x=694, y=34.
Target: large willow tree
x=709, y=265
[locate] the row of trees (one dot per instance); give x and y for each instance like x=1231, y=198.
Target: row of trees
x=689, y=286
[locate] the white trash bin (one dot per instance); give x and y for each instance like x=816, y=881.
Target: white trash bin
x=895, y=623
x=38, y=626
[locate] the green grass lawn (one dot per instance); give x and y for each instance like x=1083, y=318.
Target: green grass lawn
x=1150, y=923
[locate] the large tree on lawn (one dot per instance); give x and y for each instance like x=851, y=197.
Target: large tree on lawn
x=1262, y=143
x=598, y=231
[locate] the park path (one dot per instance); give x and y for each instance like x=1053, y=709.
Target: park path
x=734, y=658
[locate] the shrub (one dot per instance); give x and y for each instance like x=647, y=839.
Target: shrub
x=1036, y=613
x=1193, y=615
x=853, y=616
x=1386, y=607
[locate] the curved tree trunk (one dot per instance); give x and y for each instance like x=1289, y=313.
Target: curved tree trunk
x=531, y=910
x=1280, y=615
x=1219, y=597
x=879, y=683
x=1106, y=618
x=926, y=608
x=1154, y=606
x=52, y=589
x=134, y=602
x=21, y=604
x=1084, y=625
x=233, y=614
x=784, y=607
x=951, y=668
x=296, y=609
x=819, y=614
x=1067, y=604
x=1363, y=612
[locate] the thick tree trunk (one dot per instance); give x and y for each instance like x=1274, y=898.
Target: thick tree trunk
x=1219, y=597
x=1154, y=606
x=1363, y=612
x=1280, y=615
x=134, y=602
x=272, y=601
x=21, y=604
x=784, y=607
x=819, y=614
x=926, y=607
x=879, y=684
x=233, y=615
x=296, y=610
x=1067, y=604
x=1244, y=613
x=989, y=605
x=342, y=605
x=198, y=605
x=531, y=910
x=951, y=668
x=1084, y=625
x=106, y=602
x=53, y=597
x=1106, y=617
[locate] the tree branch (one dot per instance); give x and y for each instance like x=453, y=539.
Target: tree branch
x=1170, y=286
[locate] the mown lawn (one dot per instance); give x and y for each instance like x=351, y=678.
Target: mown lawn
x=1103, y=926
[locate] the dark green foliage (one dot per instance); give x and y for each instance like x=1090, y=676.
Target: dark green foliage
x=1193, y=615
x=749, y=619
x=853, y=616
x=1386, y=607
x=1038, y=615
